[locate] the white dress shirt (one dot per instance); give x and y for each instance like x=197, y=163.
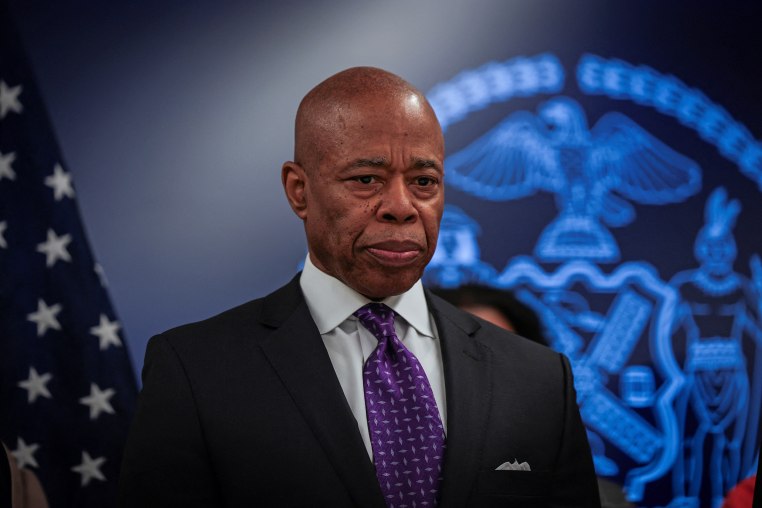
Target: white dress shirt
x=349, y=344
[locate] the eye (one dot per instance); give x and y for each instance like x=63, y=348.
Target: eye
x=365, y=179
x=424, y=181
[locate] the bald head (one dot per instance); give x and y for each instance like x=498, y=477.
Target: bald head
x=325, y=112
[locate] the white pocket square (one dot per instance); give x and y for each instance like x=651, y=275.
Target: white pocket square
x=513, y=466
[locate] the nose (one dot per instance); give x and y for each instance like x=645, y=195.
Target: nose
x=397, y=203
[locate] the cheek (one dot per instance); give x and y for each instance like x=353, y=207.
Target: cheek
x=348, y=220
x=431, y=219
x=352, y=216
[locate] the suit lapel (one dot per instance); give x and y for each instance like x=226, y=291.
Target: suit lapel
x=296, y=352
x=468, y=386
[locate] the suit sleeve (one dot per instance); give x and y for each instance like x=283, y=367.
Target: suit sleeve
x=165, y=459
x=574, y=481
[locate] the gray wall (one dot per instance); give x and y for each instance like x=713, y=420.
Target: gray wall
x=174, y=118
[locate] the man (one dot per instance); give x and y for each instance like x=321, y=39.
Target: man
x=351, y=385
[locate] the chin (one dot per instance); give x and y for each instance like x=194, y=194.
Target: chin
x=387, y=285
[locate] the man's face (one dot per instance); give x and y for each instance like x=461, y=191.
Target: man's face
x=374, y=197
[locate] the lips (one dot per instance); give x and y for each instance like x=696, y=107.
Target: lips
x=395, y=253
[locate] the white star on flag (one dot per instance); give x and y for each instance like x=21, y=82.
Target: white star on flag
x=106, y=331
x=98, y=401
x=54, y=248
x=6, y=171
x=35, y=385
x=60, y=182
x=3, y=227
x=25, y=454
x=90, y=468
x=9, y=99
x=45, y=317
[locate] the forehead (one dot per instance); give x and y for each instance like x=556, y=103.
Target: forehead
x=382, y=145
x=408, y=120
x=366, y=122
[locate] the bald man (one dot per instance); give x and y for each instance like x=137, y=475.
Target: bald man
x=352, y=385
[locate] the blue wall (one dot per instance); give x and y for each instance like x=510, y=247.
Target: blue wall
x=632, y=225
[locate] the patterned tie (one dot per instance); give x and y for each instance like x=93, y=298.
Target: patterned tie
x=406, y=432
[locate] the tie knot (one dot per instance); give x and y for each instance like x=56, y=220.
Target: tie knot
x=377, y=318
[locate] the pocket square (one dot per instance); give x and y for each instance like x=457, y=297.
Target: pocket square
x=513, y=466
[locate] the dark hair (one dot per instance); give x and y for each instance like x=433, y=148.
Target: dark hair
x=521, y=316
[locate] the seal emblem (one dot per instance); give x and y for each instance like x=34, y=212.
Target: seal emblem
x=664, y=369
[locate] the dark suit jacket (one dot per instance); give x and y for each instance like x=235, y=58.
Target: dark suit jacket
x=244, y=409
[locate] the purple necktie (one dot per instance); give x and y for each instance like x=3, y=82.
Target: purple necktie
x=406, y=433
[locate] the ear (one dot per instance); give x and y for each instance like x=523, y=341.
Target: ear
x=294, y=180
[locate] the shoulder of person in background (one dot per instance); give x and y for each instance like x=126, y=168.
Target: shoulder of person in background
x=498, y=306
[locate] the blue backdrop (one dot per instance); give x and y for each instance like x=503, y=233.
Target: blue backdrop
x=604, y=162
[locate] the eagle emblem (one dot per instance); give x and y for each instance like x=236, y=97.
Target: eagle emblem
x=594, y=174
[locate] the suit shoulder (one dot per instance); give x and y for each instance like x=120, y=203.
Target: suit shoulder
x=250, y=318
x=492, y=336
x=503, y=342
x=231, y=319
x=534, y=364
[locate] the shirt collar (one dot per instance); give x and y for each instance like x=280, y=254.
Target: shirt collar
x=331, y=302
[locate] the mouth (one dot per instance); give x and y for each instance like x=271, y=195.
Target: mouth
x=395, y=253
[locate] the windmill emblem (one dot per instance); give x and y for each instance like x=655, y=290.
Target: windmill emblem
x=594, y=173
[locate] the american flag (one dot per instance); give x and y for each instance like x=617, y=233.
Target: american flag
x=67, y=389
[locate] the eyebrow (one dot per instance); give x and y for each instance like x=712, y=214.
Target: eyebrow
x=375, y=162
x=383, y=162
x=426, y=163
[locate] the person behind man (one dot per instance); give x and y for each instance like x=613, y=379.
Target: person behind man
x=352, y=385
x=498, y=306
